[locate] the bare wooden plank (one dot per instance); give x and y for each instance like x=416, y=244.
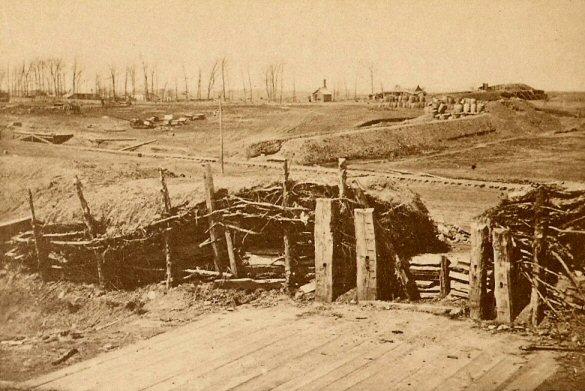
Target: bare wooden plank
x=329, y=268
x=503, y=291
x=444, y=278
x=539, y=256
x=151, y=367
x=481, y=250
x=366, y=254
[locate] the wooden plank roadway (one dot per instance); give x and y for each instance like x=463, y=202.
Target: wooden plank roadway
x=337, y=348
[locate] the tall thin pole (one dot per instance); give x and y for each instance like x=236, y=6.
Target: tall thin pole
x=221, y=136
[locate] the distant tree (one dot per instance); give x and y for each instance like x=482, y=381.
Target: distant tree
x=211, y=80
x=76, y=71
x=199, y=84
x=113, y=73
x=371, y=69
x=224, y=70
x=145, y=73
x=186, y=83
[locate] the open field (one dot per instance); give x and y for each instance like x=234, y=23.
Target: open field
x=553, y=157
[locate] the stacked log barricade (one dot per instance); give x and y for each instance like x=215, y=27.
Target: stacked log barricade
x=212, y=238
x=528, y=257
x=441, y=275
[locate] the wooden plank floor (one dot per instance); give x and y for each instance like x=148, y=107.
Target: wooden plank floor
x=336, y=348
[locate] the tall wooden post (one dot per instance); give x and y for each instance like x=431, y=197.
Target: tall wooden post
x=214, y=232
x=221, y=136
x=91, y=225
x=480, y=255
x=539, y=256
x=503, y=269
x=40, y=249
x=329, y=267
x=286, y=236
x=366, y=254
x=170, y=282
x=444, y=277
x=342, y=176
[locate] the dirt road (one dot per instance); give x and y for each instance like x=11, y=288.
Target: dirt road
x=336, y=347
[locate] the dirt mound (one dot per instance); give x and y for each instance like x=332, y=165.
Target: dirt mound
x=390, y=142
x=504, y=118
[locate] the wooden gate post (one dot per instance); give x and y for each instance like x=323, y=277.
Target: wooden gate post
x=214, y=232
x=170, y=282
x=480, y=254
x=91, y=225
x=329, y=268
x=366, y=254
x=444, y=277
x=539, y=256
x=503, y=269
x=288, y=274
x=39, y=241
x=342, y=177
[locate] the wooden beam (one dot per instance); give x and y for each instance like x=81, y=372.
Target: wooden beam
x=40, y=249
x=539, y=256
x=444, y=276
x=342, y=165
x=366, y=254
x=503, y=288
x=288, y=274
x=170, y=268
x=214, y=228
x=232, y=256
x=329, y=280
x=481, y=252
x=91, y=225
x=133, y=147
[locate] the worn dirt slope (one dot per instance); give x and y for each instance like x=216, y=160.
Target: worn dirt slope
x=242, y=124
x=503, y=119
x=328, y=348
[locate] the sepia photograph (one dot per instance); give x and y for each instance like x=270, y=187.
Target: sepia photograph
x=336, y=195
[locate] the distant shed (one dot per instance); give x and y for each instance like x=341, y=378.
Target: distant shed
x=322, y=94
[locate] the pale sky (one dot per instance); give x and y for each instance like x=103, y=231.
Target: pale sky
x=441, y=45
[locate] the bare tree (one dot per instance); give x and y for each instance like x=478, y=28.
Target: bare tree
x=76, y=71
x=55, y=66
x=211, y=80
x=113, y=74
x=145, y=73
x=371, y=69
x=243, y=83
x=132, y=72
x=199, y=84
x=251, y=87
x=273, y=77
x=186, y=83
x=224, y=70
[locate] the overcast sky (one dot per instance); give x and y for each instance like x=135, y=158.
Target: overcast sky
x=442, y=45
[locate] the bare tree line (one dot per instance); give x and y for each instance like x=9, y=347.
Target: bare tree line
x=52, y=76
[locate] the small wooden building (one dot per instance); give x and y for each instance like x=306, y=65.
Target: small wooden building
x=322, y=94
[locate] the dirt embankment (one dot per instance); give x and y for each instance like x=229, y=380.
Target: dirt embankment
x=504, y=119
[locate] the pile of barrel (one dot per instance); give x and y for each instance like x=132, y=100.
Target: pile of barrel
x=449, y=108
x=405, y=101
